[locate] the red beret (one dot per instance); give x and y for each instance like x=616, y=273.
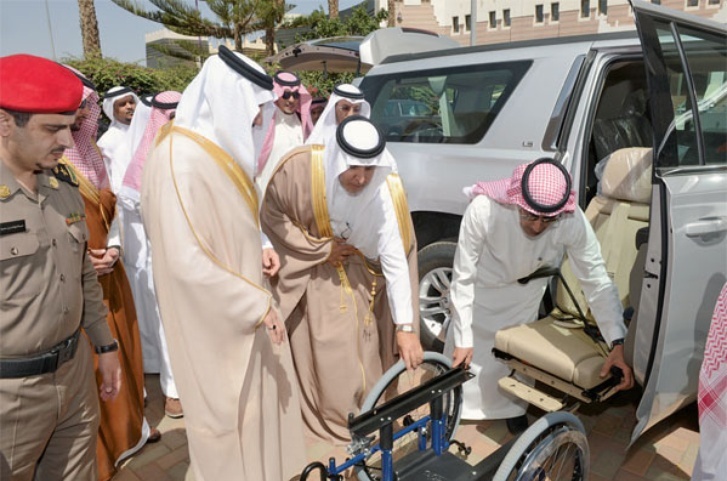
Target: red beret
x=38, y=85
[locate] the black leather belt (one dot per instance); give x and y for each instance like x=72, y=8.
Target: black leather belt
x=44, y=363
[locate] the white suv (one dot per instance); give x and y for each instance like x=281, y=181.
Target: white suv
x=578, y=100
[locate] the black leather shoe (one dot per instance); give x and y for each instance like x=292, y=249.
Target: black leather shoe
x=154, y=436
x=517, y=425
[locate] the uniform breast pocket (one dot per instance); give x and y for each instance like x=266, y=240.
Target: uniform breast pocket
x=78, y=233
x=21, y=261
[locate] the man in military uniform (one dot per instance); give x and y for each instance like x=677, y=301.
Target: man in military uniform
x=48, y=287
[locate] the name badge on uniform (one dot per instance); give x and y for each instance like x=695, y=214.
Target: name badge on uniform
x=75, y=217
x=12, y=227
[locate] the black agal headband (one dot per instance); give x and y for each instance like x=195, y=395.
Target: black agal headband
x=260, y=79
x=286, y=83
x=118, y=93
x=163, y=105
x=525, y=186
x=348, y=94
x=349, y=146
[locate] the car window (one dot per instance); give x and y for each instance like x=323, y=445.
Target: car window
x=452, y=105
x=697, y=84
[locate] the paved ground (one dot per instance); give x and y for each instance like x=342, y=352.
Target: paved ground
x=666, y=453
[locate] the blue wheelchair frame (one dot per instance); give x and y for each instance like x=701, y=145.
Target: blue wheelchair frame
x=381, y=419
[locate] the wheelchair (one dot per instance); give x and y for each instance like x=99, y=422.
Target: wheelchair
x=407, y=427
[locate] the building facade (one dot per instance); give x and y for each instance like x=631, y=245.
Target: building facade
x=498, y=21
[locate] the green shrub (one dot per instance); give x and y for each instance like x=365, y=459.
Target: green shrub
x=107, y=73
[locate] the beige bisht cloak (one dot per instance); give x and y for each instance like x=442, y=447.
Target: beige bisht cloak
x=241, y=405
x=341, y=337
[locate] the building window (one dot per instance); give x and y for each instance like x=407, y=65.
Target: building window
x=493, y=19
x=506, y=17
x=713, y=2
x=539, y=13
x=467, y=23
x=554, y=12
x=656, y=2
x=585, y=8
x=692, y=3
x=455, y=24
x=603, y=7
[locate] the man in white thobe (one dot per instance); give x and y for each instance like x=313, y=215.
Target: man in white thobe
x=137, y=253
x=119, y=105
x=345, y=101
x=511, y=228
x=289, y=126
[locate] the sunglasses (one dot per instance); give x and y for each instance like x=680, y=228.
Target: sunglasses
x=84, y=104
x=290, y=93
x=525, y=215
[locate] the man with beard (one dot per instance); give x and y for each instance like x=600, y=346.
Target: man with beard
x=119, y=105
x=123, y=430
x=226, y=341
x=289, y=126
x=48, y=288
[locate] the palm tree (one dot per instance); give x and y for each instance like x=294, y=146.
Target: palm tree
x=89, y=29
x=271, y=15
x=391, y=8
x=333, y=8
x=235, y=18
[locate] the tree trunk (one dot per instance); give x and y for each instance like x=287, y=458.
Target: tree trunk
x=333, y=8
x=275, y=18
x=391, y=8
x=270, y=41
x=89, y=29
x=238, y=38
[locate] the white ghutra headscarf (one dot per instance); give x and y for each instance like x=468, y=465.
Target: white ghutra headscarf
x=326, y=126
x=222, y=102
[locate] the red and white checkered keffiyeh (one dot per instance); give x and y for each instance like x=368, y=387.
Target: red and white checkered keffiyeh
x=546, y=184
x=713, y=376
x=157, y=119
x=711, y=462
x=85, y=154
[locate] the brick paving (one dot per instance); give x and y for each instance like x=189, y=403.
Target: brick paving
x=667, y=452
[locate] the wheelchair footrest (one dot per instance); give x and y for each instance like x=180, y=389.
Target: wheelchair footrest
x=530, y=394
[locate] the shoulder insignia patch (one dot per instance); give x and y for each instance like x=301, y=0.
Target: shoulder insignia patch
x=62, y=172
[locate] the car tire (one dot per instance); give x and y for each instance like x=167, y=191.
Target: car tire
x=435, y=276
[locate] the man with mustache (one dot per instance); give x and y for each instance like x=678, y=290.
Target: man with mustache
x=49, y=290
x=511, y=228
x=123, y=430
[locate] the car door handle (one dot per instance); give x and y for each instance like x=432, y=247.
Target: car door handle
x=706, y=225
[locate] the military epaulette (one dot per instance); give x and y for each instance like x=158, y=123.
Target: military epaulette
x=64, y=173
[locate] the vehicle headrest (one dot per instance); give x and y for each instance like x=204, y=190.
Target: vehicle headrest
x=627, y=175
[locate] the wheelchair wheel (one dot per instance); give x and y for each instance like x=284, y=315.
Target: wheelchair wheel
x=397, y=381
x=554, y=448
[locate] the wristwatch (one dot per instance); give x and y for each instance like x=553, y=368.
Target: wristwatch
x=113, y=347
x=405, y=328
x=617, y=342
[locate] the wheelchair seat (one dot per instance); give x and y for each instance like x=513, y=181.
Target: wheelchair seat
x=555, y=350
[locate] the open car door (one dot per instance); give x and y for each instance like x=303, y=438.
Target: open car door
x=686, y=64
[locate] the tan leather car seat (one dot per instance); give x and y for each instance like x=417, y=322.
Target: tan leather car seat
x=616, y=215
